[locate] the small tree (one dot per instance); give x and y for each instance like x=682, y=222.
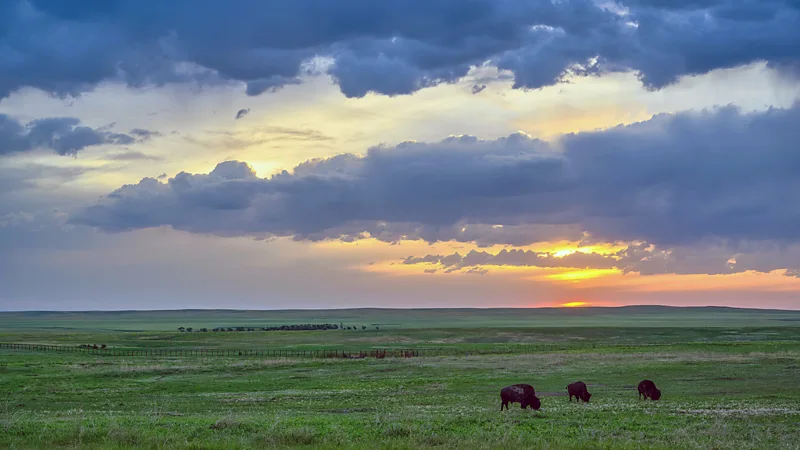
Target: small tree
x=181, y=329
x=363, y=327
x=190, y=329
x=377, y=328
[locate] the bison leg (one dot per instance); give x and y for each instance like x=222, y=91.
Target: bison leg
x=504, y=403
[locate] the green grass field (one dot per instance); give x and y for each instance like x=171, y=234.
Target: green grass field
x=729, y=380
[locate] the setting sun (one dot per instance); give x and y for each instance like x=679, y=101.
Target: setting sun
x=574, y=304
x=582, y=274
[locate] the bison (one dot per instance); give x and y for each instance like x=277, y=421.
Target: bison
x=524, y=394
x=649, y=390
x=578, y=390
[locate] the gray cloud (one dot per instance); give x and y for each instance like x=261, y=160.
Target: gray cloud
x=672, y=181
x=390, y=47
x=64, y=135
x=477, y=89
x=271, y=84
x=134, y=156
x=34, y=175
x=141, y=134
x=241, y=113
x=519, y=258
x=268, y=134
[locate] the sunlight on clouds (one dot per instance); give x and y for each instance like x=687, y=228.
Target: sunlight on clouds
x=372, y=256
x=565, y=118
x=375, y=250
x=565, y=248
x=265, y=168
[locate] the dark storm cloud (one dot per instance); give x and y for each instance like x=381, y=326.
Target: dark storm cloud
x=672, y=180
x=64, y=135
x=389, y=47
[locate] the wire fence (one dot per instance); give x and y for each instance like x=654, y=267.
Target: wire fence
x=212, y=352
x=505, y=349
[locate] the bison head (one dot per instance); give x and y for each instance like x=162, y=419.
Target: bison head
x=586, y=396
x=532, y=402
x=655, y=395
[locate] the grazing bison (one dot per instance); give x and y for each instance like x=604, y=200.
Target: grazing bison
x=649, y=390
x=578, y=390
x=524, y=394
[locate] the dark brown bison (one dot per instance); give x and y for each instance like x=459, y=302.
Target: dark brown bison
x=524, y=394
x=649, y=390
x=578, y=390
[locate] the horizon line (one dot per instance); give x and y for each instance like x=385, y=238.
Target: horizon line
x=739, y=308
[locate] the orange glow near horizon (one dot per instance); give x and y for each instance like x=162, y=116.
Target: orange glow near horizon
x=774, y=281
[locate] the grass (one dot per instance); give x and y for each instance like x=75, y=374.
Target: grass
x=727, y=386
x=630, y=316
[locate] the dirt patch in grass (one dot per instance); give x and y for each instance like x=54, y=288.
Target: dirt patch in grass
x=348, y=410
x=225, y=424
x=168, y=413
x=743, y=412
x=246, y=400
x=551, y=394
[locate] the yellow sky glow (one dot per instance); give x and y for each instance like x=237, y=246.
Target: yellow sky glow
x=572, y=275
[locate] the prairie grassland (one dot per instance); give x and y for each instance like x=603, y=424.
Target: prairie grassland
x=622, y=317
x=730, y=387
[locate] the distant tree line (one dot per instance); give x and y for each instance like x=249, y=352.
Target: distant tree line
x=300, y=327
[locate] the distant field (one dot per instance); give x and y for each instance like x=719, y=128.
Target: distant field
x=633, y=316
x=729, y=379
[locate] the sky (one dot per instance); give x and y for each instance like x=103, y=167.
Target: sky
x=401, y=153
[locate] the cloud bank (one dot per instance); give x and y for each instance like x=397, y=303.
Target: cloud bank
x=63, y=135
x=675, y=180
x=390, y=47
